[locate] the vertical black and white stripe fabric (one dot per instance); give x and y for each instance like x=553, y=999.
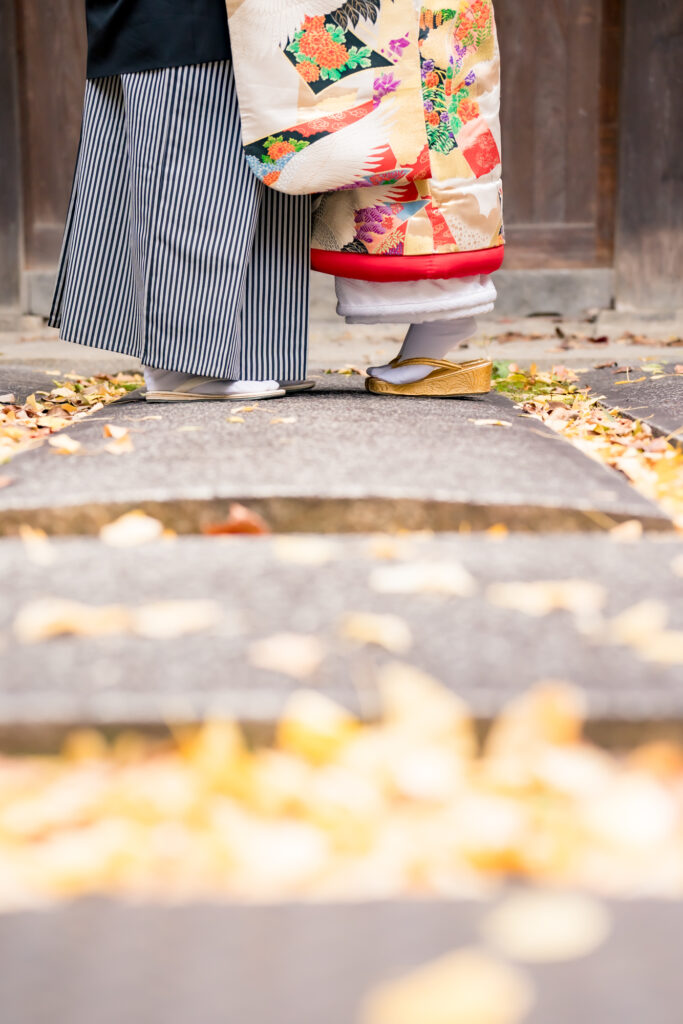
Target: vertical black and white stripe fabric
x=173, y=251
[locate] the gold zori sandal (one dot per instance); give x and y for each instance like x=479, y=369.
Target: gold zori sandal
x=446, y=379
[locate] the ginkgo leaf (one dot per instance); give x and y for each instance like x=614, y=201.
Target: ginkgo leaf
x=448, y=578
x=388, y=631
x=64, y=444
x=131, y=529
x=543, y=926
x=291, y=654
x=467, y=986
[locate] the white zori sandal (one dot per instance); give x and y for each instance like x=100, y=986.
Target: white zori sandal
x=186, y=392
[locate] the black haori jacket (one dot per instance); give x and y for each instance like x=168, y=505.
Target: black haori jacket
x=140, y=35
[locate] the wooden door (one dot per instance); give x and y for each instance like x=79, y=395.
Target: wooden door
x=51, y=45
x=560, y=63
x=560, y=72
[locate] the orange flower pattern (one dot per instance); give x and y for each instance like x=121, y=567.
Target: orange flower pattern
x=446, y=93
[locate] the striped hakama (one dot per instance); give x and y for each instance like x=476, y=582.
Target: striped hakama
x=173, y=251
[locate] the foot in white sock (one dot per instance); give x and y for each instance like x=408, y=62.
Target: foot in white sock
x=170, y=380
x=430, y=340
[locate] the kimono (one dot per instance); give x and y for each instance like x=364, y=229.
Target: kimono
x=389, y=111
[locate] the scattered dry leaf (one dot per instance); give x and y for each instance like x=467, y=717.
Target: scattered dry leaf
x=283, y=419
x=49, y=617
x=664, y=648
x=418, y=705
x=114, y=431
x=491, y=423
x=131, y=529
x=544, y=926
x=551, y=713
x=164, y=620
x=121, y=442
x=240, y=520
x=465, y=987
x=498, y=531
x=24, y=425
x=628, y=532
x=449, y=578
x=296, y=549
x=636, y=625
x=654, y=465
x=348, y=371
x=314, y=727
x=293, y=654
x=38, y=548
x=540, y=597
x=64, y=444
x=234, y=419
x=388, y=631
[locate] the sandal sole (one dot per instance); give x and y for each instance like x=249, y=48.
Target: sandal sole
x=470, y=380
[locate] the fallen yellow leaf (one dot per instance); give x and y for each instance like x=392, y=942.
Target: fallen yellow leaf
x=388, y=631
x=540, y=597
x=64, y=444
x=303, y=550
x=448, y=578
x=131, y=529
x=545, y=926
x=464, y=987
x=293, y=654
x=49, y=617
x=314, y=727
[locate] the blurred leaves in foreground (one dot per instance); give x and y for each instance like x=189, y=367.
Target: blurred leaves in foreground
x=332, y=808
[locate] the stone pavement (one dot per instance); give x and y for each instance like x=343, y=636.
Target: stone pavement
x=338, y=467
x=645, y=396
x=263, y=587
x=101, y=962
x=334, y=459
x=346, y=464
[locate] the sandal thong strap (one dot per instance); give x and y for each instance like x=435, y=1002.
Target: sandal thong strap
x=439, y=364
x=194, y=382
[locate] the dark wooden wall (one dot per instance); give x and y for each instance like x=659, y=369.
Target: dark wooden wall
x=570, y=140
x=51, y=42
x=551, y=120
x=650, y=210
x=10, y=165
x=554, y=139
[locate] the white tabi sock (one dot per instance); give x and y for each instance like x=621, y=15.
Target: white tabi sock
x=170, y=380
x=430, y=340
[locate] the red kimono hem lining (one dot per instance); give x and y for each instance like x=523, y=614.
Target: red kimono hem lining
x=366, y=267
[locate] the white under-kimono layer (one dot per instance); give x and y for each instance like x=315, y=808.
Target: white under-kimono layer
x=414, y=302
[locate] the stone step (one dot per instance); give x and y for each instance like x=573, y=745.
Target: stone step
x=336, y=459
x=642, y=395
x=105, y=962
x=263, y=587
